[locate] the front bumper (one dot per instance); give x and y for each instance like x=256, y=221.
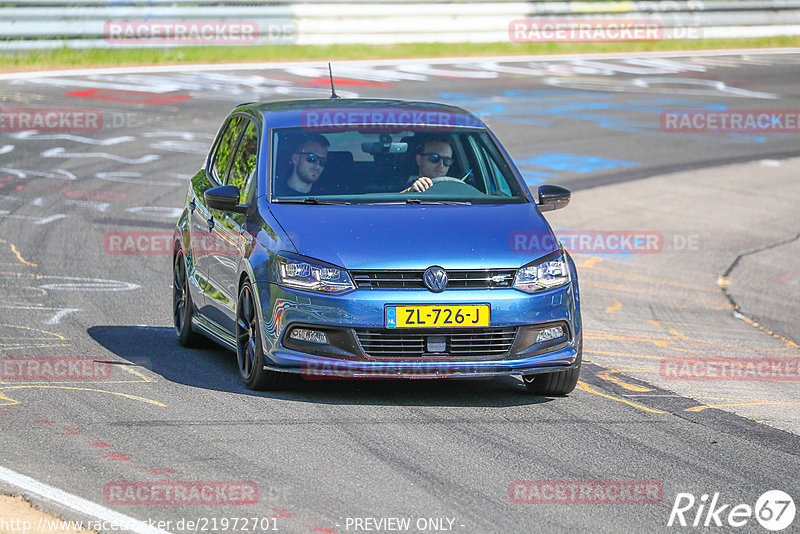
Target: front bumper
x=282, y=309
x=311, y=366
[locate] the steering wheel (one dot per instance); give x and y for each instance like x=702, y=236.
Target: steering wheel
x=445, y=185
x=441, y=179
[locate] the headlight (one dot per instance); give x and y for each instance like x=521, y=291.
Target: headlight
x=315, y=277
x=548, y=273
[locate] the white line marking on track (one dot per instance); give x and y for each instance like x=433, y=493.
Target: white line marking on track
x=186, y=136
x=32, y=487
x=99, y=206
x=384, y=62
x=50, y=219
x=60, y=152
x=89, y=284
x=157, y=211
x=133, y=178
x=61, y=174
x=184, y=147
x=36, y=220
x=36, y=136
x=59, y=314
x=5, y=149
x=770, y=163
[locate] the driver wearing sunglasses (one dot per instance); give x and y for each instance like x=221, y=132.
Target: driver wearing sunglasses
x=433, y=160
x=308, y=162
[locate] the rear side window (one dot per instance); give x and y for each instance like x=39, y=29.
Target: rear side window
x=224, y=149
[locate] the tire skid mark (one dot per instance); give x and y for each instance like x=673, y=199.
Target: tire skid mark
x=723, y=281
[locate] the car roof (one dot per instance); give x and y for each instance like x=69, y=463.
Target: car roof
x=342, y=111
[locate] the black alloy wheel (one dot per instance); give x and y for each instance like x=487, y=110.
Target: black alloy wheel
x=249, y=350
x=182, y=306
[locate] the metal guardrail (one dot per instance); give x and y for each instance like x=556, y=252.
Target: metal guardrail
x=40, y=24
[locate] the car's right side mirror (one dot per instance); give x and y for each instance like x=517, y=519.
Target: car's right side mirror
x=552, y=197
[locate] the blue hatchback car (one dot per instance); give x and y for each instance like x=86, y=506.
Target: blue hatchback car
x=363, y=238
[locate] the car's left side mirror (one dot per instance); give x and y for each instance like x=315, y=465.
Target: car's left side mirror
x=225, y=198
x=552, y=197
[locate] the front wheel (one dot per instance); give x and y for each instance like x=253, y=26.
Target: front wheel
x=249, y=351
x=555, y=384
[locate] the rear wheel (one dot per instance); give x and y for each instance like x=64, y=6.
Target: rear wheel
x=558, y=383
x=249, y=351
x=182, y=306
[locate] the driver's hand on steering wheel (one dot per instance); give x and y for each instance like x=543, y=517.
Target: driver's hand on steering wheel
x=420, y=184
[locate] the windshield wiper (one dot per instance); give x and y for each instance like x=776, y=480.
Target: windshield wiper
x=446, y=202
x=310, y=200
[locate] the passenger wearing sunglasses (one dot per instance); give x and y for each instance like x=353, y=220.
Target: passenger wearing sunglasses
x=308, y=162
x=433, y=160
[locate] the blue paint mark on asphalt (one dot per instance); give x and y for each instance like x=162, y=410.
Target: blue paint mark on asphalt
x=539, y=107
x=560, y=161
x=534, y=177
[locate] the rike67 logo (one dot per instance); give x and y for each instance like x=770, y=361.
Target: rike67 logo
x=774, y=510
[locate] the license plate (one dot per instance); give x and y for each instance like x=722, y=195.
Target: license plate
x=460, y=316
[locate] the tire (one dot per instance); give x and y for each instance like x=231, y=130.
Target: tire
x=558, y=383
x=249, y=350
x=182, y=305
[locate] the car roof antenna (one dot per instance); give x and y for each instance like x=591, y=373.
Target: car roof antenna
x=333, y=91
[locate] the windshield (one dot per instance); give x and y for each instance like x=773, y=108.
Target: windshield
x=365, y=166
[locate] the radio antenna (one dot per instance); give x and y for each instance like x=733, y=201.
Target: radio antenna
x=333, y=91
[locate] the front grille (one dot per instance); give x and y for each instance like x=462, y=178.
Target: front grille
x=456, y=279
x=466, y=343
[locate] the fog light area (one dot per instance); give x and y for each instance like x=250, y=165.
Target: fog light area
x=309, y=336
x=547, y=334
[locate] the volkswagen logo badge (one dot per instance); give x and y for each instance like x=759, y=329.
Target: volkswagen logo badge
x=435, y=278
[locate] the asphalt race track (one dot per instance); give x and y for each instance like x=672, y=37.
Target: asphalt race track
x=447, y=456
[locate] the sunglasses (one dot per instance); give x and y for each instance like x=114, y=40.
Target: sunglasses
x=313, y=158
x=435, y=158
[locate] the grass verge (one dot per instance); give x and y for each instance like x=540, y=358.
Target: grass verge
x=104, y=57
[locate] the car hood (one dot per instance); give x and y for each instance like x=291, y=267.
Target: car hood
x=418, y=236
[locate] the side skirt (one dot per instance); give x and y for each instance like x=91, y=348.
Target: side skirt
x=211, y=329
